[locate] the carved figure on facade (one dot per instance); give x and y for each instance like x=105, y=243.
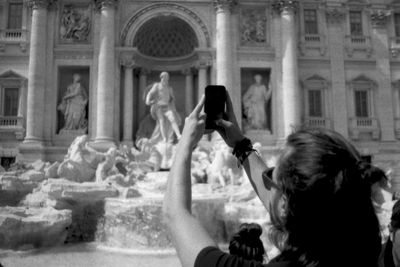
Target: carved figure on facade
x=254, y=103
x=75, y=23
x=379, y=18
x=253, y=26
x=285, y=5
x=73, y=106
x=334, y=15
x=163, y=110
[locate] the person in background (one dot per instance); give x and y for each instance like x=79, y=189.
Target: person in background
x=246, y=243
x=390, y=255
x=318, y=196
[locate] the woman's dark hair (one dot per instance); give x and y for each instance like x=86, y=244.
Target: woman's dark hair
x=247, y=244
x=395, y=218
x=329, y=218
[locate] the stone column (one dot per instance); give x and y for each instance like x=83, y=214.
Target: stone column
x=202, y=77
x=224, y=53
x=380, y=43
x=142, y=91
x=290, y=78
x=36, y=72
x=106, y=75
x=335, y=19
x=188, y=90
x=128, y=118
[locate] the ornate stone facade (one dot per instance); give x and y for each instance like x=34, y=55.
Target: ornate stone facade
x=308, y=52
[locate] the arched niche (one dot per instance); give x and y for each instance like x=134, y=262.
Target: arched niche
x=147, y=13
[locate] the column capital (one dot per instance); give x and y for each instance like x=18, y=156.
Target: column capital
x=187, y=71
x=202, y=64
x=128, y=63
x=102, y=4
x=334, y=15
x=37, y=4
x=285, y=5
x=224, y=5
x=379, y=18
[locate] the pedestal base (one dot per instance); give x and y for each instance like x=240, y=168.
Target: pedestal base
x=138, y=223
x=102, y=145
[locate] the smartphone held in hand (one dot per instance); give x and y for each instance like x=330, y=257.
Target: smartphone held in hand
x=214, y=106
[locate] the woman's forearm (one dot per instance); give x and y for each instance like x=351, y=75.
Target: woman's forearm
x=254, y=167
x=179, y=193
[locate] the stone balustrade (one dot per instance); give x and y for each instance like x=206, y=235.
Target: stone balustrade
x=318, y=122
x=313, y=41
x=17, y=35
x=397, y=127
x=364, y=125
x=359, y=43
x=11, y=122
x=394, y=46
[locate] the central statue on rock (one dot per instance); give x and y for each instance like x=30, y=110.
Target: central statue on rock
x=161, y=99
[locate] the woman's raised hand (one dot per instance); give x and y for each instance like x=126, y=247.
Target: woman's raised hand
x=194, y=125
x=229, y=129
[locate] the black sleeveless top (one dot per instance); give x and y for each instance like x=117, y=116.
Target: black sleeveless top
x=214, y=257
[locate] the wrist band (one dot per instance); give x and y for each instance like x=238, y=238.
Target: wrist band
x=242, y=150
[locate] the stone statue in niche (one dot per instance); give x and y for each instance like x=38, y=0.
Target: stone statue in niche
x=73, y=106
x=253, y=26
x=161, y=99
x=254, y=102
x=75, y=24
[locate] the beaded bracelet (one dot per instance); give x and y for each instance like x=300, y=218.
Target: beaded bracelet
x=242, y=150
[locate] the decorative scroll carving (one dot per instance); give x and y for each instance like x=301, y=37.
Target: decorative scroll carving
x=36, y=4
x=285, y=5
x=253, y=26
x=75, y=23
x=100, y=4
x=128, y=63
x=379, y=18
x=334, y=16
x=224, y=5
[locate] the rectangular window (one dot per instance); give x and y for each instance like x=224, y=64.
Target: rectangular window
x=15, y=16
x=397, y=24
x=10, y=101
x=310, y=21
x=361, y=103
x=315, y=103
x=356, y=23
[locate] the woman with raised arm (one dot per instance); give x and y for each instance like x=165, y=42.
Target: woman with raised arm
x=318, y=196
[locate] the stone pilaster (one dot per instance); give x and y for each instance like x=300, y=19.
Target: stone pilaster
x=128, y=99
x=202, y=67
x=290, y=78
x=380, y=43
x=335, y=18
x=36, y=72
x=224, y=49
x=188, y=90
x=106, y=75
x=142, y=90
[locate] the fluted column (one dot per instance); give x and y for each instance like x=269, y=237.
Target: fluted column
x=290, y=77
x=202, y=77
x=335, y=18
x=106, y=74
x=128, y=117
x=188, y=90
x=380, y=42
x=36, y=71
x=224, y=45
x=142, y=91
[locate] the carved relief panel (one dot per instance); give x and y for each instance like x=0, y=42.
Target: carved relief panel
x=75, y=23
x=253, y=26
